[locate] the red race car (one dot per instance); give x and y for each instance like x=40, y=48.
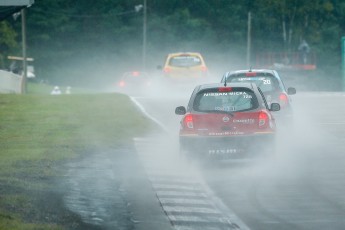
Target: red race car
x=227, y=121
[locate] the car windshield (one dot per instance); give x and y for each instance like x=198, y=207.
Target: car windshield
x=185, y=61
x=238, y=99
x=266, y=82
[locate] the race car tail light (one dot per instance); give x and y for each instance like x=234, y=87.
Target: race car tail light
x=250, y=74
x=263, y=119
x=188, y=121
x=283, y=99
x=122, y=83
x=203, y=68
x=224, y=89
x=166, y=70
x=135, y=74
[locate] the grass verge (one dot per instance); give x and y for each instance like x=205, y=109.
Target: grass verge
x=37, y=132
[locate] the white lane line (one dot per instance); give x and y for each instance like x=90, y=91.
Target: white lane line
x=176, y=187
x=183, y=209
x=181, y=194
x=200, y=210
x=201, y=218
x=184, y=183
x=185, y=201
x=142, y=109
x=199, y=228
x=176, y=180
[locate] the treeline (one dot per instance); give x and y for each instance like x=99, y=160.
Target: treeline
x=79, y=41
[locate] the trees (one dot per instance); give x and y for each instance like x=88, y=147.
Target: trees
x=7, y=42
x=79, y=38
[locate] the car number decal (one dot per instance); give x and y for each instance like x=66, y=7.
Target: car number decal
x=225, y=108
x=214, y=94
x=244, y=121
x=267, y=82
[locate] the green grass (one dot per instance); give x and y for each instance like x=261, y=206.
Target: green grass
x=37, y=131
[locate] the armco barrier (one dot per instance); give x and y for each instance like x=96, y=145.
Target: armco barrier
x=10, y=82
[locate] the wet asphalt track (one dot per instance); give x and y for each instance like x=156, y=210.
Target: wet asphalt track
x=302, y=187
x=155, y=188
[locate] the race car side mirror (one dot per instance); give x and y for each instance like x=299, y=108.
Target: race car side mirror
x=181, y=110
x=275, y=107
x=291, y=91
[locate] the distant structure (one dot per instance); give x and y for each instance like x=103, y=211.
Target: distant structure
x=68, y=90
x=56, y=91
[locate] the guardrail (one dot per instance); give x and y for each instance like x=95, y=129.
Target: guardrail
x=10, y=82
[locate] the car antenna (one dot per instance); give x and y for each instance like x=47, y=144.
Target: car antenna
x=225, y=81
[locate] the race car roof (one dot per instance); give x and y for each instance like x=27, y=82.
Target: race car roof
x=253, y=70
x=221, y=85
x=9, y=7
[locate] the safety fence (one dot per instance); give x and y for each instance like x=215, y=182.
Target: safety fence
x=10, y=82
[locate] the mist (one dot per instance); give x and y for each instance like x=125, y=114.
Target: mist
x=298, y=187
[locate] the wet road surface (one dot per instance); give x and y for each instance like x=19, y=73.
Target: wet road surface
x=156, y=188
x=109, y=189
x=302, y=187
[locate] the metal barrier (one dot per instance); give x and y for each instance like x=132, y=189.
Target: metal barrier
x=10, y=82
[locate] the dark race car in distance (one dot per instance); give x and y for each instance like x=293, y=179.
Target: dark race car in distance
x=134, y=82
x=270, y=84
x=227, y=121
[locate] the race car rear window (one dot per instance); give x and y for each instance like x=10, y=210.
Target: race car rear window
x=185, y=61
x=238, y=99
x=266, y=82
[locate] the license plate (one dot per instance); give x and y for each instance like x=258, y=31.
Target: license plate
x=222, y=151
x=226, y=153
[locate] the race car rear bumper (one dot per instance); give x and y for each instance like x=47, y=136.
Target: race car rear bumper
x=229, y=147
